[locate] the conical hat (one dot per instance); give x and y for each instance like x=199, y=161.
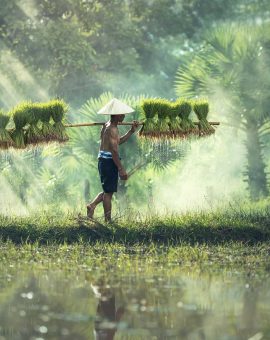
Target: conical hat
x=115, y=107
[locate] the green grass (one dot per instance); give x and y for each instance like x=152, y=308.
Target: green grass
x=212, y=228
x=229, y=256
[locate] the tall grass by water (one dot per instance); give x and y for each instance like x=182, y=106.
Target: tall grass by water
x=249, y=225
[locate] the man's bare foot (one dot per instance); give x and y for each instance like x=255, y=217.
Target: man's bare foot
x=90, y=210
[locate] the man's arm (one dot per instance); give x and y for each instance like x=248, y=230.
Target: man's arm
x=125, y=137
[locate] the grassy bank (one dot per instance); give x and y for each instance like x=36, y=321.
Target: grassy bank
x=218, y=227
x=105, y=255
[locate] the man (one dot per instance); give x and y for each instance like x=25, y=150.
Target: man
x=109, y=164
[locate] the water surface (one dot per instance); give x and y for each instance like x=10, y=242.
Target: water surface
x=131, y=299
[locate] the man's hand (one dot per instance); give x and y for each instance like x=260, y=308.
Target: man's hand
x=134, y=126
x=123, y=175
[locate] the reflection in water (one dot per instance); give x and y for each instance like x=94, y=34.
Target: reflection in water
x=108, y=316
x=151, y=303
x=247, y=322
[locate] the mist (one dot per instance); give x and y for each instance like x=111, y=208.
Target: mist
x=208, y=177
x=49, y=50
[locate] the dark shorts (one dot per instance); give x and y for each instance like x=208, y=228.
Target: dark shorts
x=108, y=173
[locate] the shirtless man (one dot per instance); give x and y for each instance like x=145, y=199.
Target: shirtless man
x=109, y=164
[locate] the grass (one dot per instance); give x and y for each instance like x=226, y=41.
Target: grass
x=211, y=228
x=132, y=258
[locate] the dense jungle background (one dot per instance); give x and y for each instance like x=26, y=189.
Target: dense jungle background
x=88, y=51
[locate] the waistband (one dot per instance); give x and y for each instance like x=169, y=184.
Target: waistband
x=105, y=154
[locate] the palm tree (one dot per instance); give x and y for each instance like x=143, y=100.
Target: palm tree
x=233, y=66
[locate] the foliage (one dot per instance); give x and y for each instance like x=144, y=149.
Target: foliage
x=76, y=49
x=231, y=68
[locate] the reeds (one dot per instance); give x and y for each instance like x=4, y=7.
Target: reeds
x=167, y=120
x=37, y=123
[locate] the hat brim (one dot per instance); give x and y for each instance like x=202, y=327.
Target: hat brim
x=115, y=107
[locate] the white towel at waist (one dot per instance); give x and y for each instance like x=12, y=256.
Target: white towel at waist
x=105, y=154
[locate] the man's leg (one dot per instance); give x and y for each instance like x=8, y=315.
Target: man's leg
x=107, y=205
x=92, y=205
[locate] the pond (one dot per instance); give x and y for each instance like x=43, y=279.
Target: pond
x=131, y=297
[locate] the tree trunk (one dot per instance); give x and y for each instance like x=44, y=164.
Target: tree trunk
x=256, y=174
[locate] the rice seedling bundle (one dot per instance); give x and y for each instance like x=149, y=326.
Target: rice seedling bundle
x=184, y=108
x=163, y=108
x=33, y=133
x=201, y=108
x=19, y=115
x=157, y=117
x=32, y=123
x=175, y=121
x=164, y=119
x=47, y=130
x=58, y=109
x=149, y=113
x=5, y=138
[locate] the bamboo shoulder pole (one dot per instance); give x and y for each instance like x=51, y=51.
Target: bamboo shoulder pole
x=127, y=123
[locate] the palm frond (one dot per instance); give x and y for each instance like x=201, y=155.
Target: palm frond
x=163, y=154
x=192, y=78
x=222, y=39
